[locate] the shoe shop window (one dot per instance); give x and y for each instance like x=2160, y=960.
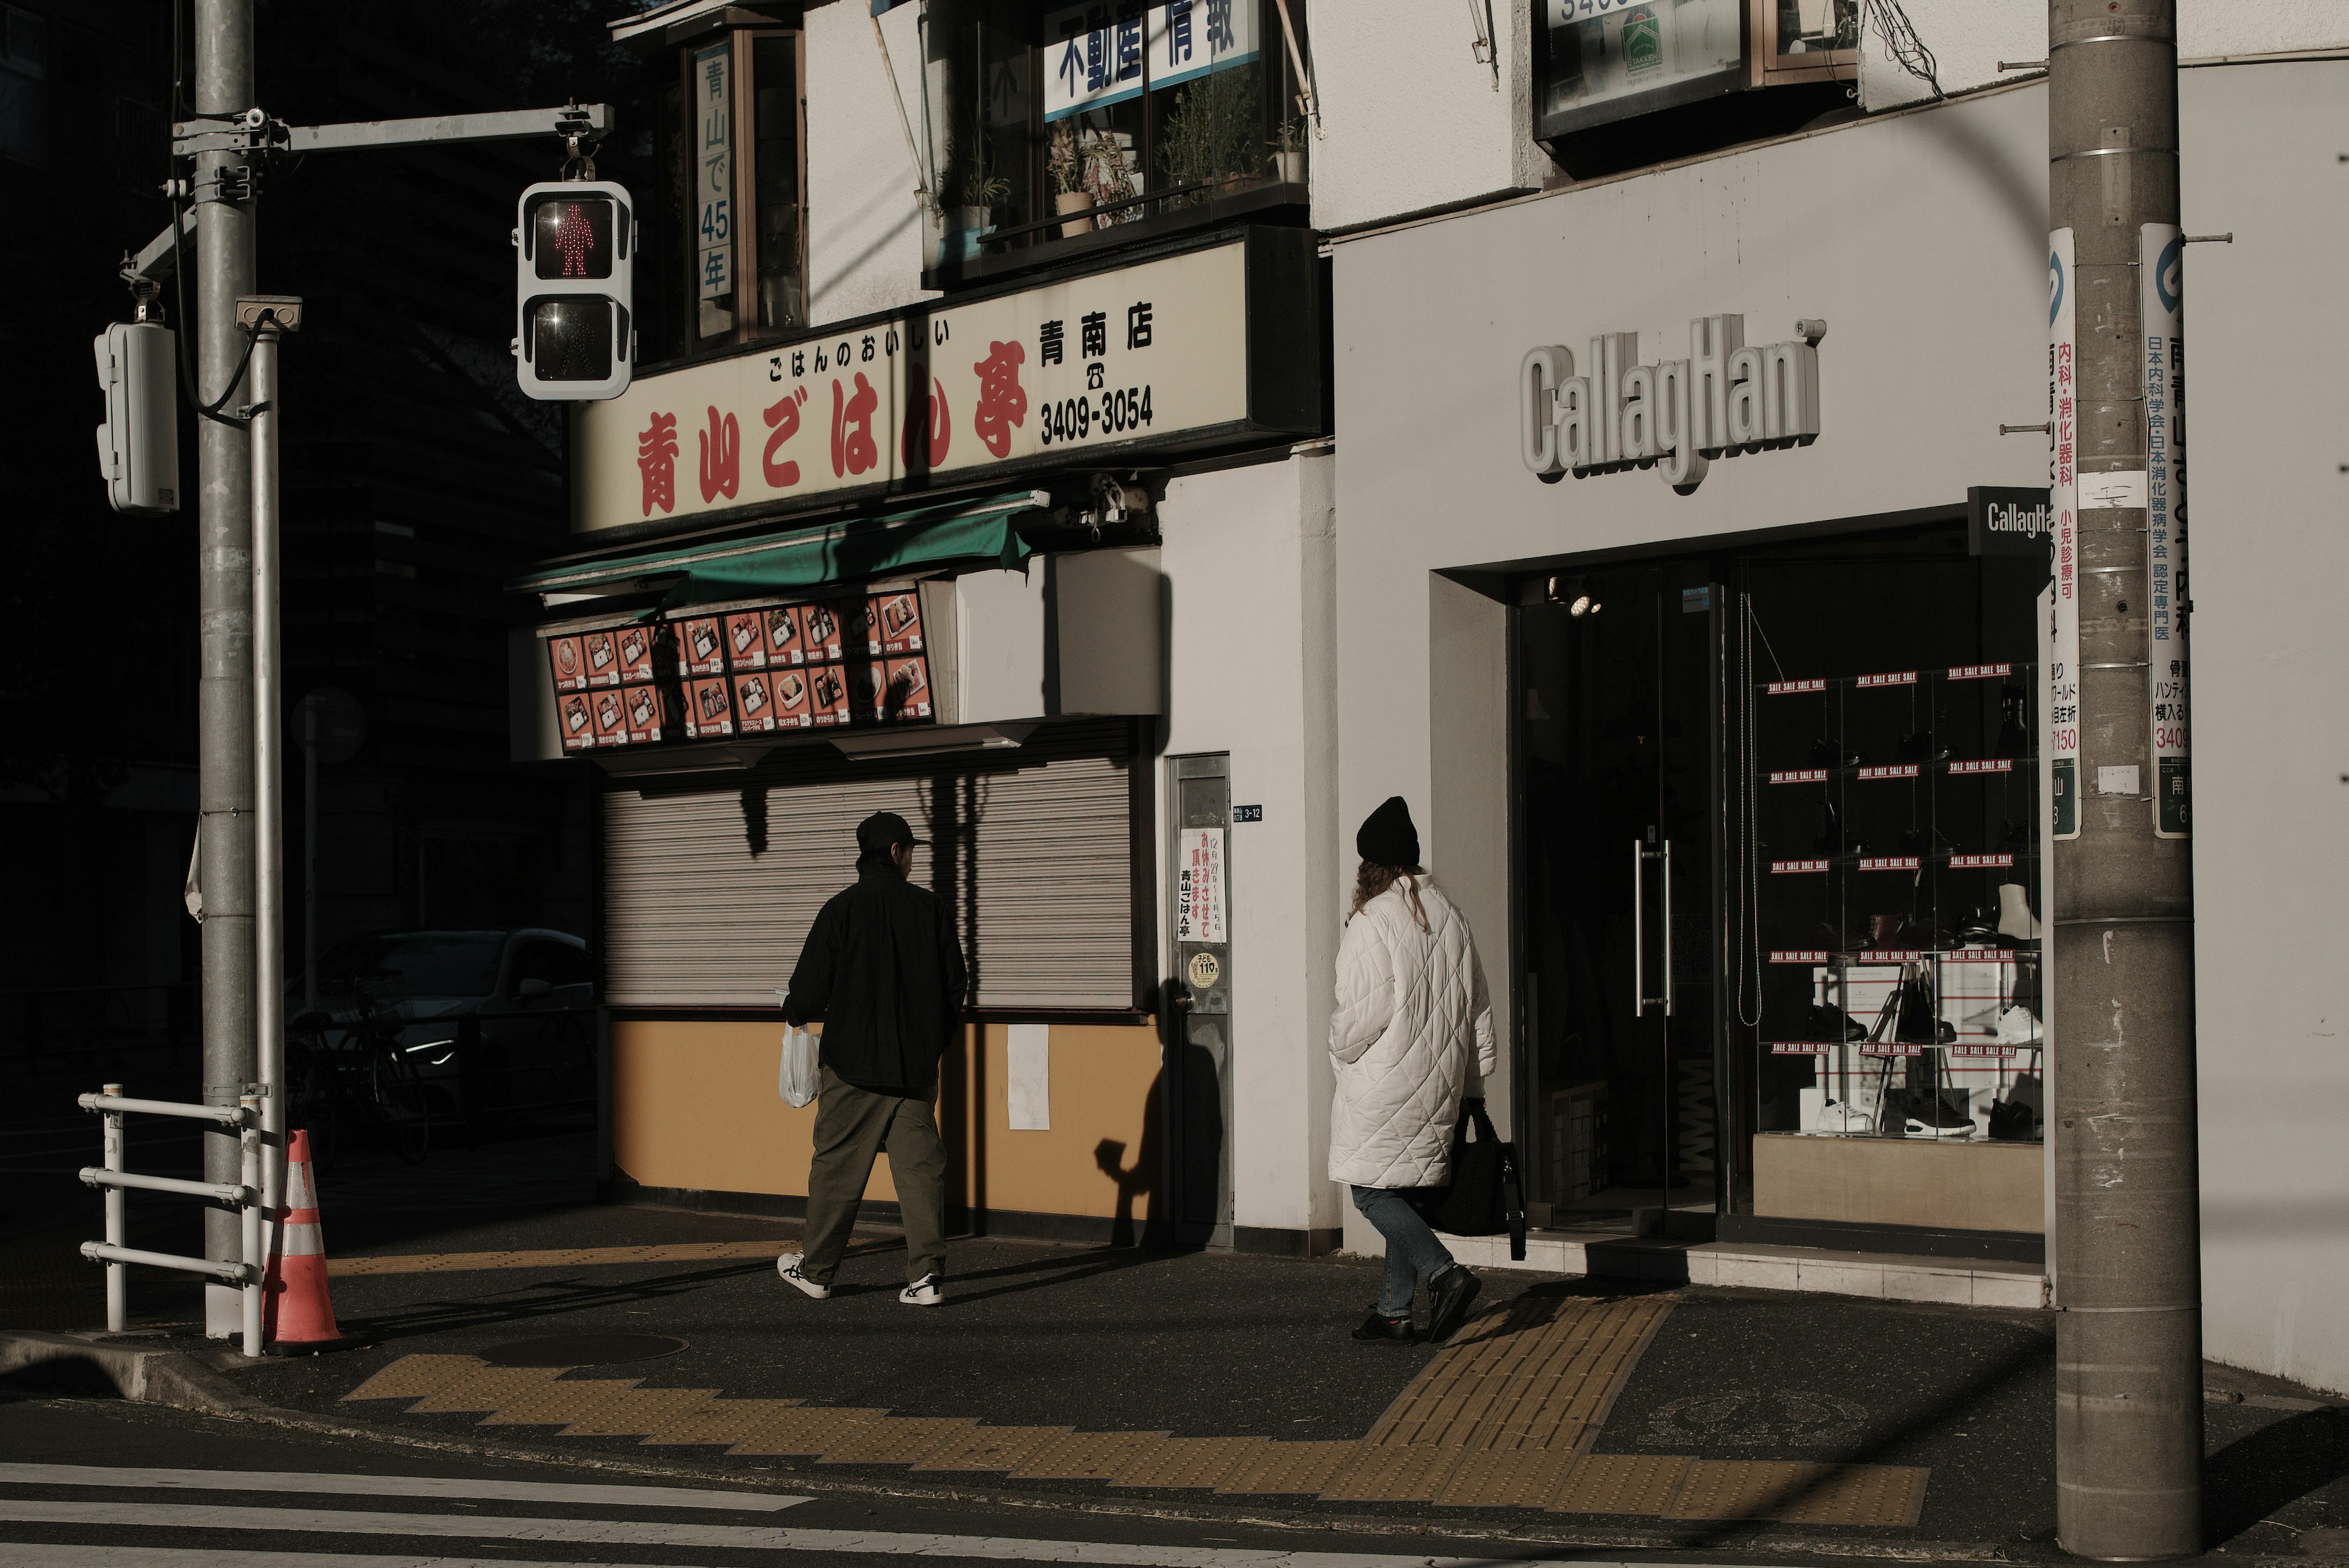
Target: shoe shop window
x=1781, y=888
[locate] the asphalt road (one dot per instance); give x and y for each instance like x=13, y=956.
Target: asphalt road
x=90, y=1484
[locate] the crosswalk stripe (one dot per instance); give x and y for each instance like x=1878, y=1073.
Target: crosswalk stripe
x=395, y=1485
x=734, y=1537
x=47, y=1556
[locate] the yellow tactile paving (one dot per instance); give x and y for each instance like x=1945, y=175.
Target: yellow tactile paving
x=1499, y=1420
x=1084, y=1455
x=1528, y=1478
x=726, y=1421
x=898, y=1440
x=1622, y=1483
x=1395, y=1474
x=1289, y=1467
x=1800, y=1492
x=556, y=1258
x=990, y=1448
x=1185, y=1461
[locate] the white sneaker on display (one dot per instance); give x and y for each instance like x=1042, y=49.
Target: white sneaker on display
x=2018, y=1026
x=1837, y=1116
x=788, y=1265
x=927, y=1291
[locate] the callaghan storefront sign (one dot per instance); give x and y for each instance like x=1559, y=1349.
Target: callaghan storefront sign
x=1675, y=415
x=1187, y=350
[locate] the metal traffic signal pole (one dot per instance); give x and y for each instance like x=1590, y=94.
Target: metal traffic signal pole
x=2128, y=1397
x=240, y=833
x=224, y=270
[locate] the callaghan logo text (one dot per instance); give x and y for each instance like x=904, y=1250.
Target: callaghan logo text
x=1675, y=415
x=2028, y=522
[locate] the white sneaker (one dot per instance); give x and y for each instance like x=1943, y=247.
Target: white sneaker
x=924, y=1291
x=788, y=1265
x=2018, y=1026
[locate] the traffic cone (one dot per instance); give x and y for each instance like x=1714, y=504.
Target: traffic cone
x=297, y=1317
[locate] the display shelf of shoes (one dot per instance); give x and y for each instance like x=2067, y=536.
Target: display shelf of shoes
x=1919, y=955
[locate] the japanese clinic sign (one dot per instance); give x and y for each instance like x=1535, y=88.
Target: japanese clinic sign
x=1106, y=360
x=2062, y=678
x=1199, y=901
x=2161, y=282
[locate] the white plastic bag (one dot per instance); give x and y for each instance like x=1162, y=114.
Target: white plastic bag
x=795, y=1077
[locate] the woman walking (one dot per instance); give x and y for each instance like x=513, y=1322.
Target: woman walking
x=1412, y=1011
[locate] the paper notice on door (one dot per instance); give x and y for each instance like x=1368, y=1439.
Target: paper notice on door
x=1199, y=911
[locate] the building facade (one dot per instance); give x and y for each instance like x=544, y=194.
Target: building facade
x=1720, y=677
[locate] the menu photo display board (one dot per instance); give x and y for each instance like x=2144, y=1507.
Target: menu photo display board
x=720, y=671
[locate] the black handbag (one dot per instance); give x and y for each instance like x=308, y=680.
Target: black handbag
x=1485, y=1196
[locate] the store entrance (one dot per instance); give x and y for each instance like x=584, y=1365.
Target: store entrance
x=1617, y=672
x=1778, y=894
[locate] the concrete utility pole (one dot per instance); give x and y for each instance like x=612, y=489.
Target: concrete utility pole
x=224, y=269
x=2128, y=1397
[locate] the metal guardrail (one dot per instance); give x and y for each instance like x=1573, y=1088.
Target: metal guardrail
x=117, y=1179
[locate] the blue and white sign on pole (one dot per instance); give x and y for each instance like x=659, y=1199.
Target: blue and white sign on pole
x=2161, y=251
x=2063, y=677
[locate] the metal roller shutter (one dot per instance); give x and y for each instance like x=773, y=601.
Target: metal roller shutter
x=710, y=893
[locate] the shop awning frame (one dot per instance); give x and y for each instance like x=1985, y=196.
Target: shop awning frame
x=971, y=532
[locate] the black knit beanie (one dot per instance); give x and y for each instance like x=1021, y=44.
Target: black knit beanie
x=1387, y=837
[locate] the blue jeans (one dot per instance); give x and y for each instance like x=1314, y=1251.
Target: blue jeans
x=1412, y=1252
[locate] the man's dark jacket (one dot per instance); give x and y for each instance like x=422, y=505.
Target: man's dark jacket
x=883, y=970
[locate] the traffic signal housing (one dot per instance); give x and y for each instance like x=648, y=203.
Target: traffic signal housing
x=139, y=444
x=574, y=298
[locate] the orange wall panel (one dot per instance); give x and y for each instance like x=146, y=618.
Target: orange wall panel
x=694, y=1106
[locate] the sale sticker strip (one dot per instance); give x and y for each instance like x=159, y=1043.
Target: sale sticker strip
x=1890, y=1048
x=1801, y=1048
x=1796, y=868
x=1981, y=955
x=1792, y=688
x=1799, y=777
x=1981, y=765
x=1891, y=770
x=1889, y=862
x=1979, y=671
x=1979, y=862
x=1895, y=678
x=1800, y=955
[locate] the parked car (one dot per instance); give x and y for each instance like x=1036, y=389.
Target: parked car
x=496, y=1023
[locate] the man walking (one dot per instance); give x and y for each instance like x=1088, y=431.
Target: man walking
x=883, y=970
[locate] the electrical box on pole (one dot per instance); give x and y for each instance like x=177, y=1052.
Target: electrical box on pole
x=139, y=444
x=575, y=307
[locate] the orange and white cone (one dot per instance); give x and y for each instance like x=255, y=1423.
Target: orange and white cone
x=297, y=1317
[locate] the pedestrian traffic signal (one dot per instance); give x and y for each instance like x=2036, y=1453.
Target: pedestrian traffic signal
x=575, y=333
x=139, y=444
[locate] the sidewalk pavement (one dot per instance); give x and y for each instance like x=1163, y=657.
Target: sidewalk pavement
x=1596, y=1412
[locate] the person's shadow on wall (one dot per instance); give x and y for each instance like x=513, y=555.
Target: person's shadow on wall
x=1184, y=1202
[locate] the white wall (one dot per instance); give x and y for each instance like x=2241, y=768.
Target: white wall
x=1969, y=37
x=1412, y=117
x=866, y=229
x=1247, y=559
x=2267, y=409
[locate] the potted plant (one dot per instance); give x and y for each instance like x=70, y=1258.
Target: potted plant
x=1069, y=198
x=1109, y=176
x=1212, y=135
x=972, y=189
x=1288, y=152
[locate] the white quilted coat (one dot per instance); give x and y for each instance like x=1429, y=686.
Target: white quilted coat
x=1412, y=1011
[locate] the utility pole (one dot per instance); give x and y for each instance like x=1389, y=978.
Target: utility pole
x=2129, y=1395
x=224, y=270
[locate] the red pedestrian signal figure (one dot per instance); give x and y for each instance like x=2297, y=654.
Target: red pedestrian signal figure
x=576, y=237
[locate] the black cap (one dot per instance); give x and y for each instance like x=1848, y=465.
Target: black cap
x=1387, y=837
x=882, y=830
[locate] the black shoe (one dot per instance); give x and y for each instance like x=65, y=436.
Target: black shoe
x=1832, y=754
x=1379, y=1326
x=1930, y=1115
x=1835, y=1023
x=1917, y=746
x=1448, y=1295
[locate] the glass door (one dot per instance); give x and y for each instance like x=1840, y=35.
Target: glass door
x=1616, y=784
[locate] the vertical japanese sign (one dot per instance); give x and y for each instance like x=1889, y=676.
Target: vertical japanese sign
x=2062, y=678
x=2161, y=285
x=713, y=222
x=1199, y=913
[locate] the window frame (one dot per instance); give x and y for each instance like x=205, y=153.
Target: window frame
x=1762, y=66
x=742, y=236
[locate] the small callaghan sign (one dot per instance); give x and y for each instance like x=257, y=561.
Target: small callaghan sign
x=2009, y=521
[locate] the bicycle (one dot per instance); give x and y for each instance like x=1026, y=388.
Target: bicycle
x=366, y=1081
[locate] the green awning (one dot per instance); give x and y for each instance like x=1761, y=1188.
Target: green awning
x=970, y=533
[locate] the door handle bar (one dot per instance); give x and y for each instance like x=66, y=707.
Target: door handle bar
x=1640, y=855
